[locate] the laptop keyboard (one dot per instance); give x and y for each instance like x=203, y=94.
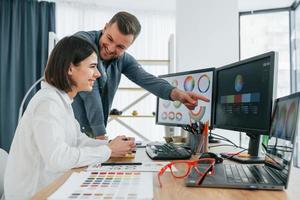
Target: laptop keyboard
x=245, y=174
x=158, y=151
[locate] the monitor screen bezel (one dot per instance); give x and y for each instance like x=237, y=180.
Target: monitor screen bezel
x=203, y=70
x=272, y=92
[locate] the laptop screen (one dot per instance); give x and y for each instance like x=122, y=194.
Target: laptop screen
x=283, y=128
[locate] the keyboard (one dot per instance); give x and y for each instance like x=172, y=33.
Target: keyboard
x=246, y=174
x=167, y=151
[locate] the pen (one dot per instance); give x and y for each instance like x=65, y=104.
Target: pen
x=121, y=163
x=205, y=137
x=244, y=155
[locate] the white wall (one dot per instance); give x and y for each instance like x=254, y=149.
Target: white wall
x=207, y=33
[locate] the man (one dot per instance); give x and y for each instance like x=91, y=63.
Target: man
x=92, y=109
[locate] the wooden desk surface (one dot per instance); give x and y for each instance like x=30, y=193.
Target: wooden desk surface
x=174, y=188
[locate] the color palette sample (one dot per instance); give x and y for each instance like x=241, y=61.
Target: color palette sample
x=106, y=185
x=241, y=98
x=145, y=167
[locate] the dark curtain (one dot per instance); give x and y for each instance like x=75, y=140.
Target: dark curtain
x=24, y=27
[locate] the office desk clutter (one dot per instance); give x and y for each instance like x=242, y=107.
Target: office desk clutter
x=197, y=137
x=197, y=143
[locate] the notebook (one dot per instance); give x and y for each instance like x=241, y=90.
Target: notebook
x=274, y=173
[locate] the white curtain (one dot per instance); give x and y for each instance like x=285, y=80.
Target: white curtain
x=152, y=44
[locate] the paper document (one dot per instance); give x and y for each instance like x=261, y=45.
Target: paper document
x=106, y=185
x=145, y=167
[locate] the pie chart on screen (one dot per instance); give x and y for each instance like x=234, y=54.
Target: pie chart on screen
x=203, y=83
x=239, y=83
x=189, y=83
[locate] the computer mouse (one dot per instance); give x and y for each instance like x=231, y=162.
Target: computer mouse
x=217, y=158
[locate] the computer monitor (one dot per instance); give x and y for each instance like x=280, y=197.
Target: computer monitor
x=174, y=113
x=244, y=94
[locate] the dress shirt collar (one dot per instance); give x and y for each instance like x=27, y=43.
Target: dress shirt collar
x=63, y=94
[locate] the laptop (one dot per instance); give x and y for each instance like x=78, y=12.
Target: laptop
x=274, y=173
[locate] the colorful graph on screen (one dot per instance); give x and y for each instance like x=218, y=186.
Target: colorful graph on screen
x=198, y=115
x=198, y=81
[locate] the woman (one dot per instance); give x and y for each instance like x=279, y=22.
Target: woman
x=48, y=140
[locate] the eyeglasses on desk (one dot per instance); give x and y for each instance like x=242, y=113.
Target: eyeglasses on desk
x=182, y=168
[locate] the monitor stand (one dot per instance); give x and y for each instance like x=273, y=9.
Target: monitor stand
x=253, y=151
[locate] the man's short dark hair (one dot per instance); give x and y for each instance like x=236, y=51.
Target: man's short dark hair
x=69, y=50
x=127, y=23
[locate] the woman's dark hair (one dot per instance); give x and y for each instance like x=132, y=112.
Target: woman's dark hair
x=69, y=50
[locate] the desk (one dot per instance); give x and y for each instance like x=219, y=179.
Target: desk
x=174, y=188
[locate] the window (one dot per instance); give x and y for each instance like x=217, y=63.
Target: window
x=268, y=31
x=296, y=68
x=296, y=71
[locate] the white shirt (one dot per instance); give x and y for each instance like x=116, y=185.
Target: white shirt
x=47, y=143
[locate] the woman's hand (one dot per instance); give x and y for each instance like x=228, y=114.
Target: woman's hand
x=120, y=146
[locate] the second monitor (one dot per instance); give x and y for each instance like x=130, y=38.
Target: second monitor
x=244, y=94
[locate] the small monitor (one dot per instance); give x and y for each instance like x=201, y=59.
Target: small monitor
x=244, y=95
x=174, y=113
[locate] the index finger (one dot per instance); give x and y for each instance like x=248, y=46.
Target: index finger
x=199, y=96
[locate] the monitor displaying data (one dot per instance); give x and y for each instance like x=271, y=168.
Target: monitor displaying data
x=244, y=94
x=174, y=113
